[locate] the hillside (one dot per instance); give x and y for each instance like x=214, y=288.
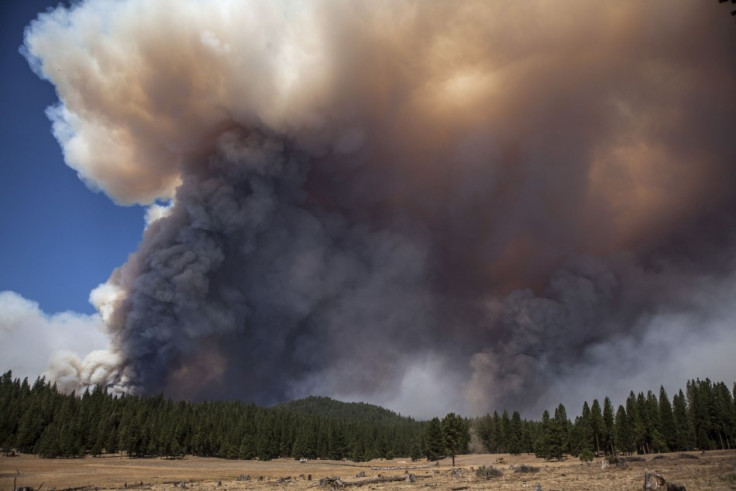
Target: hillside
x=348, y=412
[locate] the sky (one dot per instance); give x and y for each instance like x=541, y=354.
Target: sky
x=422, y=205
x=59, y=239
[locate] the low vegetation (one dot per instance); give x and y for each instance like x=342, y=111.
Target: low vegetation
x=586, y=456
x=487, y=472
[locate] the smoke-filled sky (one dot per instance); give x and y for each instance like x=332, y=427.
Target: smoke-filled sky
x=433, y=206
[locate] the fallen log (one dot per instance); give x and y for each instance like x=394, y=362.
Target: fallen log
x=401, y=468
x=336, y=482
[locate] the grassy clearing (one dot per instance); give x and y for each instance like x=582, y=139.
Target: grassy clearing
x=714, y=470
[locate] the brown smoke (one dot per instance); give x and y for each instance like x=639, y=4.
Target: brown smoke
x=360, y=187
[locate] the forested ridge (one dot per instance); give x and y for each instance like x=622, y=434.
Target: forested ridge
x=37, y=418
x=348, y=411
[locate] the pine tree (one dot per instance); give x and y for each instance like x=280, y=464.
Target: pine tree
x=434, y=444
x=337, y=443
x=575, y=437
x=557, y=442
x=684, y=434
x=497, y=433
x=357, y=454
x=484, y=430
x=635, y=410
x=667, y=420
x=49, y=444
x=623, y=431
x=608, y=440
x=505, y=431
x=527, y=436
x=700, y=404
x=553, y=438
x=515, y=430
x=415, y=451
x=723, y=415
x=733, y=414
x=596, y=425
x=541, y=446
x=586, y=433
x=654, y=432
x=454, y=434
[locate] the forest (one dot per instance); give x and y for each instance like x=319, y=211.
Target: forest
x=703, y=417
x=37, y=418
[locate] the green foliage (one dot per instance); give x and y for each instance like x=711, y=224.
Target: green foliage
x=667, y=420
x=434, y=445
x=596, y=425
x=489, y=431
x=416, y=451
x=608, y=435
x=704, y=418
x=38, y=419
x=455, y=435
x=515, y=434
x=586, y=456
x=623, y=431
x=343, y=411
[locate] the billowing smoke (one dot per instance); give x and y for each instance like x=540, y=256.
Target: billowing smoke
x=30, y=343
x=487, y=202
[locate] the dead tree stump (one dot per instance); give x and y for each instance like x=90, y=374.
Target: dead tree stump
x=652, y=480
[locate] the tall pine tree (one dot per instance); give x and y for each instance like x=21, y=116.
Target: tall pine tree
x=454, y=432
x=434, y=444
x=667, y=421
x=596, y=425
x=608, y=440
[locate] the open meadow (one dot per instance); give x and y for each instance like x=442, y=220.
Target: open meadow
x=713, y=470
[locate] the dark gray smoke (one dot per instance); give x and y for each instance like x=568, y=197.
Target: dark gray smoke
x=493, y=205
x=247, y=286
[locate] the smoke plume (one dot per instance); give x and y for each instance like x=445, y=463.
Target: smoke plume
x=32, y=343
x=492, y=203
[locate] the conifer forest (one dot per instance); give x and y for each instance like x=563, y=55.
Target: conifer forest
x=37, y=418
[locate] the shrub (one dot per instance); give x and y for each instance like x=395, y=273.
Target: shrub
x=586, y=456
x=688, y=456
x=659, y=457
x=489, y=472
x=526, y=469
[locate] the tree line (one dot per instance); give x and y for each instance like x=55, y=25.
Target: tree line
x=37, y=418
x=703, y=417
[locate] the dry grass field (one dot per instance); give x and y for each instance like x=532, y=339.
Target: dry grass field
x=713, y=470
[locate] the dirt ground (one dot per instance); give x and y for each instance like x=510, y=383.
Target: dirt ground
x=713, y=470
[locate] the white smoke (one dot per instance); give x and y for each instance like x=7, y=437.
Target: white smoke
x=69, y=348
